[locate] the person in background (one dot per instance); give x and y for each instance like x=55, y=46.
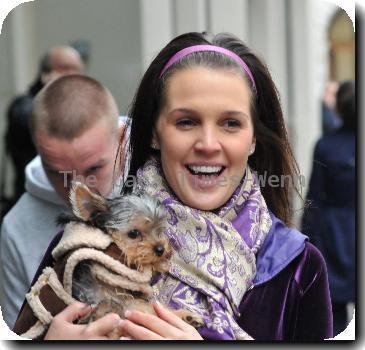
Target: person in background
x=58, y=61
x=76, y=131
x=83, y=47
x=206, y=123
x=329, y=219
x=330, y=119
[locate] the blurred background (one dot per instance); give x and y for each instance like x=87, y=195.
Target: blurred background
x=306, y=44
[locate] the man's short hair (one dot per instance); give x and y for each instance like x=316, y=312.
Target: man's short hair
x=70, y=105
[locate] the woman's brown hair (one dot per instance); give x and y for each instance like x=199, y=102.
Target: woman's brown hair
x=273, y=156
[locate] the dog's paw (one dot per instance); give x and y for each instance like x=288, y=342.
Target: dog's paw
x=194, y=320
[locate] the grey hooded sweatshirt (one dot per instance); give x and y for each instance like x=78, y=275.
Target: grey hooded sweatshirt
x=26, y=231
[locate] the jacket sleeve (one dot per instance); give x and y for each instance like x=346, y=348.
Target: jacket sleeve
x=312, y=222
x=317, y=190
x=14, y=283
x=315, y=311
x=46, y=261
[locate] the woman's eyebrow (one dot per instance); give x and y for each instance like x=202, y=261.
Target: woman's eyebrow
x=189, y=111
x=235, y=113
x=182, y=111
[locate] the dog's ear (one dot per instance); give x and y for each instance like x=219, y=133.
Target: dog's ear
x=86, y=204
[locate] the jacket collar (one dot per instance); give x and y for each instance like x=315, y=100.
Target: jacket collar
x=281, y=246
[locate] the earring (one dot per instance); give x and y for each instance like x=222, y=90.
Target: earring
x=154, y=145
x=252, y=150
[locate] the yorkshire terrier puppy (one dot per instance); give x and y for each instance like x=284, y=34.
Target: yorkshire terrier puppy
x=135, y=225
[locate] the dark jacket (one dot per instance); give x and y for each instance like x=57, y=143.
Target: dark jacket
x=290, y=298
x=18, y=141
x=330, y=218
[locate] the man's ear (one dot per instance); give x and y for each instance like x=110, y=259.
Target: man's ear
x=44, y=78
x=121, y=131
x=85, y=203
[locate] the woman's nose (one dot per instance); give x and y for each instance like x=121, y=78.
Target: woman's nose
x=208, y=141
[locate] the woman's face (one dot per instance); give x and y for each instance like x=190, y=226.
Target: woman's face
x=205, y=134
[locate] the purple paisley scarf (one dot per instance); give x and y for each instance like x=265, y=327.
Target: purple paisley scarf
x=212, y=266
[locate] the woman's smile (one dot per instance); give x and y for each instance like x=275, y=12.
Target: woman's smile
x=206, y=176
x=205, y=134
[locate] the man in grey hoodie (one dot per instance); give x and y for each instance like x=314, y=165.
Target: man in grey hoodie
x=76, y=132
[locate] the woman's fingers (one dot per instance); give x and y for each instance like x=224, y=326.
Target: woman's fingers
x=169, y=316
x=62, y=326
x=103, y=325
x=73, y=311
x=164, y=325
x=153, y=323
x=139, y=325
x=137, y=331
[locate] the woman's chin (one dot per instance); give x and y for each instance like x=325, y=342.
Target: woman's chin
x=204, y=201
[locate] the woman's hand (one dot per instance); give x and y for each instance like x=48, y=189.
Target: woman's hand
x=166, y=325
x=62, y=327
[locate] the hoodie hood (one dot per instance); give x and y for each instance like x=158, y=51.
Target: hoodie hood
x=38, y=185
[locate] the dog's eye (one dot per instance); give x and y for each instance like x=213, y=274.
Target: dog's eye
x=134, y=234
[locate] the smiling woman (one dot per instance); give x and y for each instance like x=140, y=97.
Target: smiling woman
x=205, y=135
x=206, y=123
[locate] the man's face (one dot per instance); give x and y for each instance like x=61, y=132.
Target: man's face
x=63, y=61
x=88, y=158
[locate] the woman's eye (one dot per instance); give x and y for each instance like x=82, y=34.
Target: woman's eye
x=185, y=123
x=232, y=124
x=134, y=234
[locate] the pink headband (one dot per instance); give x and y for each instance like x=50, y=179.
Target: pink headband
x=197, y=48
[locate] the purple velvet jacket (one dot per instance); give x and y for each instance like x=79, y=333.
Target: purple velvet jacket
x=290, y=299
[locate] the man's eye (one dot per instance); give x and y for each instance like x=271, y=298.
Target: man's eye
x=60, y=174
x=134, y=234
x=94, y=169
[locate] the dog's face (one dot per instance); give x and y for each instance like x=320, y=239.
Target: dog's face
x=134, y=223
x=143, y=244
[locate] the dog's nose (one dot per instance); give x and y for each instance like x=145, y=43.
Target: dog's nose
x=159, y=249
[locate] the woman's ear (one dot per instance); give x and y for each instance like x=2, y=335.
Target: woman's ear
x=154, y=143
x=253, y=146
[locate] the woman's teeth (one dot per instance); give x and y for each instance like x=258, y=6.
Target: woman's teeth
x=205, y=169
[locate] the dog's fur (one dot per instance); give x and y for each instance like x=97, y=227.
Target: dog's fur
x=135, y=225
